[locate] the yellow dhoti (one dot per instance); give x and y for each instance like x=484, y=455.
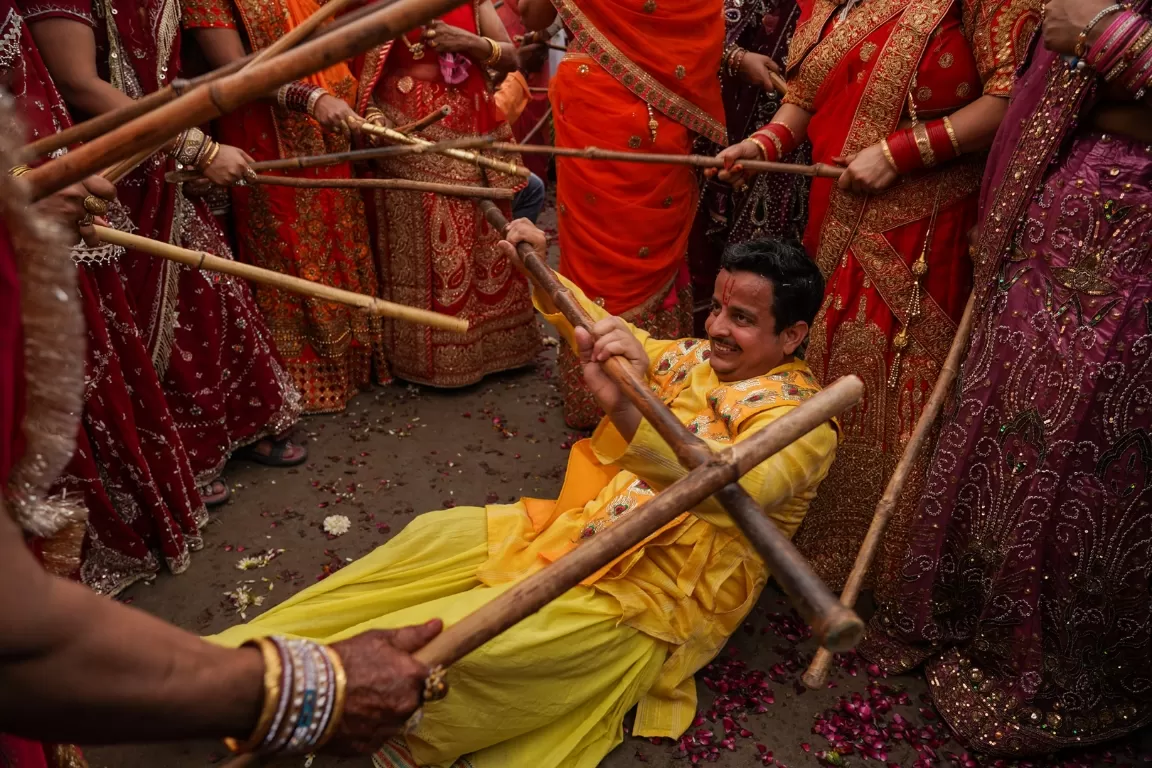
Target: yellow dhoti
x=553, y=692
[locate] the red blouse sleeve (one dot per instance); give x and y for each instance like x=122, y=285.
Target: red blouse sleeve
x=208, y=14
x=76, y=10
x=1000, y=34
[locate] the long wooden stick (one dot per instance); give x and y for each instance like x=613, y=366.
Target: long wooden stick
x=202, y=260
x=817, y=673
x=430, y=119
x=696, y=161
x=834, y=624
x=101, y=124
x=536, y=128
x=500, y=166
x=542, y=587
x=226, y=94
x=451, y=190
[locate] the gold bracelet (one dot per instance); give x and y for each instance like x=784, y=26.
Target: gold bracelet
x=920, y=133
x=495, y=55
x=340, y=695
x=888, y=155
x=273, y=672
x=209, y=156
x=760, y=146
x=18, y=170
x=952, y=135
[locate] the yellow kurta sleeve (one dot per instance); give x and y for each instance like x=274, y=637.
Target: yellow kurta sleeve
x=654, y=347
x=782, y=485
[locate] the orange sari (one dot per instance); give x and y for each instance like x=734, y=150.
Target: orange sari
x=857, y=77
x=643, y=81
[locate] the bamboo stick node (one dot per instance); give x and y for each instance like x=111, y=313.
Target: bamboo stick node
x=510, y=169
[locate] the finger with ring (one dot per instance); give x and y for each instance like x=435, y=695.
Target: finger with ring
x=96, y=206
x=86, y=221
x=250, y=174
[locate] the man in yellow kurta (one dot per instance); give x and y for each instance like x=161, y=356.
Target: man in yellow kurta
x=552, y=692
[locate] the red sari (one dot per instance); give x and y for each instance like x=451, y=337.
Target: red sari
x=438, y=252
x=224, y=384
x=316, y=234
x=129, y=466
x=632, y=82
x=856, y=77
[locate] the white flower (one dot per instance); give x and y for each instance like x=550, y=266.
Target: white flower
x=337, y=525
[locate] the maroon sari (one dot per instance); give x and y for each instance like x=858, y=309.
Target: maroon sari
x=222, y=379
x=1026, y=580
x=129, y=469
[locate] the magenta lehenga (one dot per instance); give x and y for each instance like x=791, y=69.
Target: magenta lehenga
x=1026, y=584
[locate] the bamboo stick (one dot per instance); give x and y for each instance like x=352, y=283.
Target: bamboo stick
x=510, y=169
x=536, y=128
x=696, y=161
x=101, y=124
x=451, y=190
x=202, y=260
x=817, y=673
x=335, y=158
x=834, y=624
x=226, y=94
x=430, y=119
x=778, y=83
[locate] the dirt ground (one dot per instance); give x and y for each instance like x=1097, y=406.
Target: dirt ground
x=402, y=450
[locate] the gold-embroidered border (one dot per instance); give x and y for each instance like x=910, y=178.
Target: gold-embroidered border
x=1065, y=91
x=807, y=33
x=877, y=114
x=635, y=79
x=827, y=54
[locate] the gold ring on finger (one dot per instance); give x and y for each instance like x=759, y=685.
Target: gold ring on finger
x=86, y=221
x=95, y=206
x=250, y=174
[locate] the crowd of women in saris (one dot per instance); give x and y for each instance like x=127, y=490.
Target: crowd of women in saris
x=1016, y=565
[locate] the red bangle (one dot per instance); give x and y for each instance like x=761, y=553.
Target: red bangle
x=941, y=142
x=905, y=154
x=776, y=139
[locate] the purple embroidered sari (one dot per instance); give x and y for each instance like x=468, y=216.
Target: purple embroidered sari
x=1026, y=583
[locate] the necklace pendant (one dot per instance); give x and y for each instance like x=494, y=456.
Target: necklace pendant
x=417, y=51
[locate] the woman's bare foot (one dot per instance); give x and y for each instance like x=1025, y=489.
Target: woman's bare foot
x=215, y=492
x=275, y=452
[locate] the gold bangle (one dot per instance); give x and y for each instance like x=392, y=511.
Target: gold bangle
x=19, y=170
x=775, y=142
x=273, y=671
x=209, y=156
x=952, y=135
x=496, y=53
x=340, y=694
x=920, y=133
x=760, y=146
x=888, y=155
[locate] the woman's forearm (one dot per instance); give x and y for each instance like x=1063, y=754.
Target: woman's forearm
x=220, y=46
x=77, y=667
x=795, y=118
x=975, y=124
x=68, y=48
x=493, y=28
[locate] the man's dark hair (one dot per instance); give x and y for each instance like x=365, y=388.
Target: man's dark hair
x=797, y=285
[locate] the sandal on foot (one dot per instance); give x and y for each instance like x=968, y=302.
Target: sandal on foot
x=278, y=455
x=215, y=493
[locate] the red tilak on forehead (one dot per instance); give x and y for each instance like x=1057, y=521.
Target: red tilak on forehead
x=729, y=286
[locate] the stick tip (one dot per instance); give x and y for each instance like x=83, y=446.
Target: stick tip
x=839, y=631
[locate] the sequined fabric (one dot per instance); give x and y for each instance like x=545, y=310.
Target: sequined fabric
x=1026, y=580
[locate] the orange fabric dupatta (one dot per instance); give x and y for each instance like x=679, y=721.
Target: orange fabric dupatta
x=667, y=52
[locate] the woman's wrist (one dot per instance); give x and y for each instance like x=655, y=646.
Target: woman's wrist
x=239, y=705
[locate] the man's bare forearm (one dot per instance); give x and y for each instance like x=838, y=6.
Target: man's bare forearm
x=78, y=667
